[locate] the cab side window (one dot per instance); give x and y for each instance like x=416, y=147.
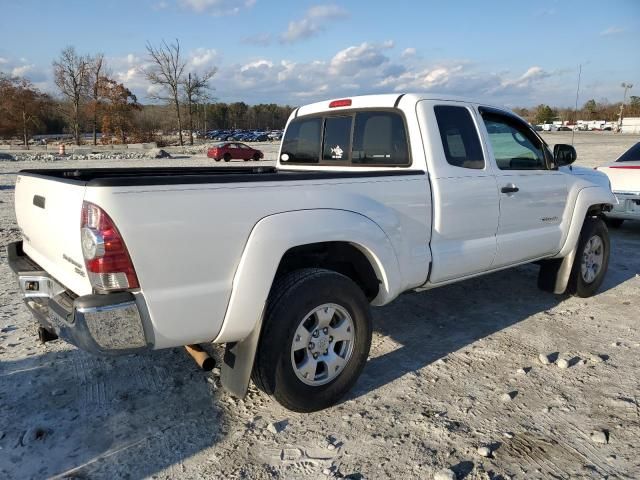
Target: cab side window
x=459, y=137
x=514, y=145
x=302, y=141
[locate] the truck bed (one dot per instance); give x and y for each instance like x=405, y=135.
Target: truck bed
x=119, y=177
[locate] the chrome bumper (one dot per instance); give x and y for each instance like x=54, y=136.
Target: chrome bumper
x=106, y=324
x=628, y=207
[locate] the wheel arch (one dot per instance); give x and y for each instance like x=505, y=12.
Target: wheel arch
x=304, y=238
x=590, y=202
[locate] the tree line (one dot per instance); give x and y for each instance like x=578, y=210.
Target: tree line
x=590, y=110
x=90, y=99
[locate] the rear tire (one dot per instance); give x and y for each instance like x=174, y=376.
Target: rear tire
x=592, y=259
x=227, y=157
x=300, y=377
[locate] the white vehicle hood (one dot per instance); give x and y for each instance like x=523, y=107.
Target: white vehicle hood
x=590, y=174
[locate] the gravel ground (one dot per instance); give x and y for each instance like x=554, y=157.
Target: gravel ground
x=489, y=378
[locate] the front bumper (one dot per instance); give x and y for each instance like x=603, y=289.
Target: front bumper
x=628, y=207
x=102, y=324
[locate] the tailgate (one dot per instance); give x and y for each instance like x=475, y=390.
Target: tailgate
x=624, y=176
x=48, y=213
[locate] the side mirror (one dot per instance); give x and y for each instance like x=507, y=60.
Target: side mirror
x=564, y=154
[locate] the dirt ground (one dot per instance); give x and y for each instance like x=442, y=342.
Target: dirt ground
x=451, y=370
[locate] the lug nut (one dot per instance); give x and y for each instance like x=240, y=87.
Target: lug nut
x=325, y=352
x=325, y=330
x=315, y=355
x=311, y=346
x=330, y=339
x=316, y=333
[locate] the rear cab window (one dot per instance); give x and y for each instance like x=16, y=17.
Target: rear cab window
x=359, y=138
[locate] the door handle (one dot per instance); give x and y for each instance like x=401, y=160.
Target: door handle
x=511, y=188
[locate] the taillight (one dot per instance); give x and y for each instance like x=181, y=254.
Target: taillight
x=105, y=253
x=345, y=102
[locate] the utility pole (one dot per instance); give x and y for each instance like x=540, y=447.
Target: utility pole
x=575, y=110
x=627, y=87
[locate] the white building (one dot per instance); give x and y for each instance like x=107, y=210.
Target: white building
x=630, y=125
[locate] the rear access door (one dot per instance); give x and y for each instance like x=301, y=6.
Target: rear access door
x=48, y=211
x=465, y=198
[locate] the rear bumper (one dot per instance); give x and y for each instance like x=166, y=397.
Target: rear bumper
x=107, y=324
x=628, y=207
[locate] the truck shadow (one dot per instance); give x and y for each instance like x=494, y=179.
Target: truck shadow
x=420, y=328
x=67, y=414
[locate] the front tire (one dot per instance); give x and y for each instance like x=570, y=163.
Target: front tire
x=591, y=260
x=315, y=339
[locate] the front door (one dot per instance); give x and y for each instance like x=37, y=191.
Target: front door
x=533, y=193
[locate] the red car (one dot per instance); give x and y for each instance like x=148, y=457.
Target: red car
x=228, y=150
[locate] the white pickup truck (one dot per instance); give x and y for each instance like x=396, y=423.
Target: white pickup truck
x=372, y=196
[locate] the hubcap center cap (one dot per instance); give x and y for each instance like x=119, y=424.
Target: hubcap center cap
x=322, y=343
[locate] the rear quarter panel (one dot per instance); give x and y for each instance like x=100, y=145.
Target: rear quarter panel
x=186, y=241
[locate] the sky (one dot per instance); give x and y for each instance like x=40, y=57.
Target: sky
x=517, y=53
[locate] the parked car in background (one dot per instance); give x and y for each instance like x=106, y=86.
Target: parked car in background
x=275, y=135
x=229, y=150
x=624, y=175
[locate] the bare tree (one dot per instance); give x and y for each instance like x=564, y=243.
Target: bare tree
x=166, y=72
x=71, y=74
x=97, y=68
x=195, y=89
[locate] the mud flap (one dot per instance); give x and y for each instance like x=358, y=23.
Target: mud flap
x=554, y=274
x=237, y=363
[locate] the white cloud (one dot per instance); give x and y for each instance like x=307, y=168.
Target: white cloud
x=161, y=5
x=314, y=21
x=353, y=60
x=128, y=70
x=612, y=31
x=22, y=70
x=22, y=67
x=257, y=65
x=408, y=52
x=203, y=58
x=217, y=7
x=357, y=69
x=526, y=80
